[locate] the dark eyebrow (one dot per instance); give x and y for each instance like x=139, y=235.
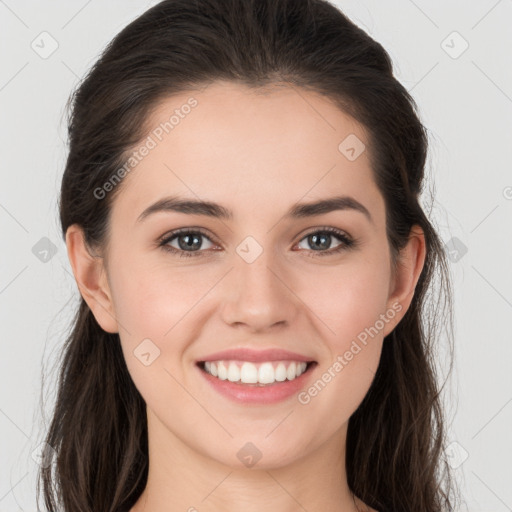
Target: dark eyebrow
x=195, y=207
x=328, y=205
x=190, y=206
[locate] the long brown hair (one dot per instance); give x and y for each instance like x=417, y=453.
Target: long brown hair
x=98, y=433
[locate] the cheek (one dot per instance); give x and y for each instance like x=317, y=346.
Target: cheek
x=154, y=306
x=352, y=305
x=150, y=301
x=347, y=299
x=161, y=310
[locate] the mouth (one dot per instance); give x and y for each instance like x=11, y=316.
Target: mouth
x=251, y=377
x=256, y=374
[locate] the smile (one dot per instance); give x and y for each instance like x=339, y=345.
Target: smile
x=250, y=382
x=264, y=373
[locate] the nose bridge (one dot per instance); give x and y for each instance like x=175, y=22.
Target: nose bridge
x=258, y=297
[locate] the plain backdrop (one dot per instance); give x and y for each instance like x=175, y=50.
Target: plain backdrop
x=453, y=56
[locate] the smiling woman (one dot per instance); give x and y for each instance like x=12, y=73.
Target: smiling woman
x=241, y=210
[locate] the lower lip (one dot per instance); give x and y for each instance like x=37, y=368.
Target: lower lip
x=253, y=394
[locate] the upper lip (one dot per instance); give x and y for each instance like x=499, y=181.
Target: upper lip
x=249, y=354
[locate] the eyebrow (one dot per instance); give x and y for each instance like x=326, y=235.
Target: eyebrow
x=211, y=209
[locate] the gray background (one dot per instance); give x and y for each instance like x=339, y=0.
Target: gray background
x=465, y=100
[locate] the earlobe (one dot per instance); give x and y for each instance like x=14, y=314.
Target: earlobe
x=403, y=284
x=90, y=275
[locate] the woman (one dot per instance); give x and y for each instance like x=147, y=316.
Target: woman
x=241, y=210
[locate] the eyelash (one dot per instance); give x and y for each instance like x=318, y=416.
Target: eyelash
x=347, y=242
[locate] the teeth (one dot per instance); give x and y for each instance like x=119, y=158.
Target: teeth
x=248, y=373
x=255, y=373
x=222, y=370
x=265, y=373
x=280, y=373
x=292, y=371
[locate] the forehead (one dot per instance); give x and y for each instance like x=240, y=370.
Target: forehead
x=250, y=149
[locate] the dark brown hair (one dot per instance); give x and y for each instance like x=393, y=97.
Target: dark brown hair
x=396, y=438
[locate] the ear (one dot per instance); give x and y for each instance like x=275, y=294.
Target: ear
x=90, y=275
x=408, y=270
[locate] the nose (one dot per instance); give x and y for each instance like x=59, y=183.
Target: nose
x=258, y=295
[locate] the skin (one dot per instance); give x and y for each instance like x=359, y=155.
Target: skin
x=256, y=154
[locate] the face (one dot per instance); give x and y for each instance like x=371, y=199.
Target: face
x=315, y=282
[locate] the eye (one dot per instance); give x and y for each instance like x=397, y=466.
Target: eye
x=189, y=242
x=322, y=238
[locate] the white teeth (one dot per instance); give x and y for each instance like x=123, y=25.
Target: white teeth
x=280, y=372
x=254, y=373
x=222, y=370
x=266, y=373
x=233, y=373
x=248, y=373
x=292, y=371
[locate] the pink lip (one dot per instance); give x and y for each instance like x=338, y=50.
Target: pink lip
x=256, y=356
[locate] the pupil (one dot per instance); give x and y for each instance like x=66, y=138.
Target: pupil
x=188, y=244
x=315, y=238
